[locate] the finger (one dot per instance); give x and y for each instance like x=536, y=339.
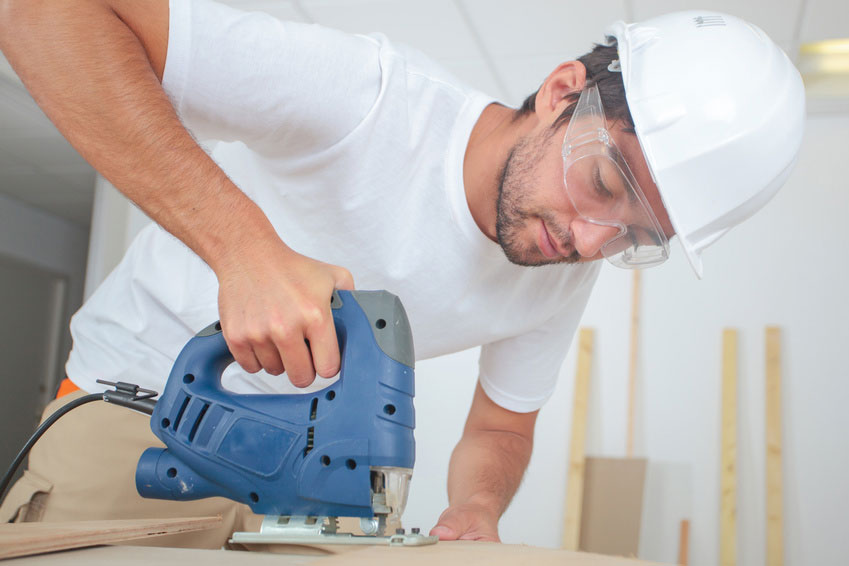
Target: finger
x=268, y=356
x=243, y=353
x=297, y=360
x=343, y=279
x=324, y=346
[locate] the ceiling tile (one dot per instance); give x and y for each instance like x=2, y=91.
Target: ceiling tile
x=778, y=18
x=436, y=27
x=825, y=19
x=535, y=27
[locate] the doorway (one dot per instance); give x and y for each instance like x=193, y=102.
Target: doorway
x=32, y=332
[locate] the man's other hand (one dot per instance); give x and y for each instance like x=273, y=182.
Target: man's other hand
x=467, y=522
x=275, y=313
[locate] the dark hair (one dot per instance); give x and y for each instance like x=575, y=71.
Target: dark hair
x=609, y=83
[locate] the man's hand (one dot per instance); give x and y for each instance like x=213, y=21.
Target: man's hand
x=467, y=522
x=275, y=312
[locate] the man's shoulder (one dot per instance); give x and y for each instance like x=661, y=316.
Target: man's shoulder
x=418, y=64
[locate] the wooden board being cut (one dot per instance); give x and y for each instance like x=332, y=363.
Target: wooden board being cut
x=22, y=539
x=467, y=553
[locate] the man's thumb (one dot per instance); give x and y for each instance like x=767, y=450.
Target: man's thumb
x=443, y=532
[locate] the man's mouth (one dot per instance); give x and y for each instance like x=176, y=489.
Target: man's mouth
x=546, y=243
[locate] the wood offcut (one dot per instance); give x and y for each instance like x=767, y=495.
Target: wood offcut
x=24, y=539
x=684, y=543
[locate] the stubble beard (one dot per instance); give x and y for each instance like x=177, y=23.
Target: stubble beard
x=518, y=176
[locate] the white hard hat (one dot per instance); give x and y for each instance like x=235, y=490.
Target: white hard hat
x=719, y=111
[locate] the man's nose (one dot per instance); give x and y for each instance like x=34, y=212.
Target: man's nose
x=588, y=238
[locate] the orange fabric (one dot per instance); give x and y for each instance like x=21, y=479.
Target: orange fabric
x=67, y=386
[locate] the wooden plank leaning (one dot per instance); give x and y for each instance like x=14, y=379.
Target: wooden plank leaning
x=728, y=469
x=774, y=499
x=575, y=481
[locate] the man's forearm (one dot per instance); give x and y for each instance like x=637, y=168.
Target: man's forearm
x=486, y=469
x=95, y=67
x=89, y=71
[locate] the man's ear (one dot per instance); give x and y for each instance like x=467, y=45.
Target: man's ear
x=568, y=78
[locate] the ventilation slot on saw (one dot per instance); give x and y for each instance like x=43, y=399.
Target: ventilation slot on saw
x=182, y=410
x=313, y=408
x=196, y=426
x=310, y=440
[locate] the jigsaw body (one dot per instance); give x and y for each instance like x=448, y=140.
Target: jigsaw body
x=346, y=450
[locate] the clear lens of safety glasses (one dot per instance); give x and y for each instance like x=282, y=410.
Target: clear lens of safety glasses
x=605, y=193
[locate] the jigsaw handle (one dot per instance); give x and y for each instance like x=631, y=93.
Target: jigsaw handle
x=385, y=315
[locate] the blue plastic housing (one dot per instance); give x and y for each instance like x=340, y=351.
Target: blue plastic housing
x=303, y=454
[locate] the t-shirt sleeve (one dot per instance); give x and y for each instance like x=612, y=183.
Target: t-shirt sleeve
x=281, y=86
x=520, y=373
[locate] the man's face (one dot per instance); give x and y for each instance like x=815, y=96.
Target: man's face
x=536, y=223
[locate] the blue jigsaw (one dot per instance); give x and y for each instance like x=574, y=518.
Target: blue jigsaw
x=302, y=460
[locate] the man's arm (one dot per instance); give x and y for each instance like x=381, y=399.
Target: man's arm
x=485, y=471
x=95, y=68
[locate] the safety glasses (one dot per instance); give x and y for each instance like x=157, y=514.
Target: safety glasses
x=604, y=192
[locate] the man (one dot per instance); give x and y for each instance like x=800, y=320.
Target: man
x=357, y=160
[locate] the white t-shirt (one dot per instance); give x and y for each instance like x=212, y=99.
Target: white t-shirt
x=353, y=147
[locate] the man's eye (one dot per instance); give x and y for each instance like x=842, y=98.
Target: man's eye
x=600, y=189
x=641, y=236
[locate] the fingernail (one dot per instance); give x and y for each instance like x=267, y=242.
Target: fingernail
x=442, y=532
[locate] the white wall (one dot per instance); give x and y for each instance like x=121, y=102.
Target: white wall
x=785, y=267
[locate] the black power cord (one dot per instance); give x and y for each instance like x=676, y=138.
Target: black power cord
x=38, y=432
x=124, y=394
